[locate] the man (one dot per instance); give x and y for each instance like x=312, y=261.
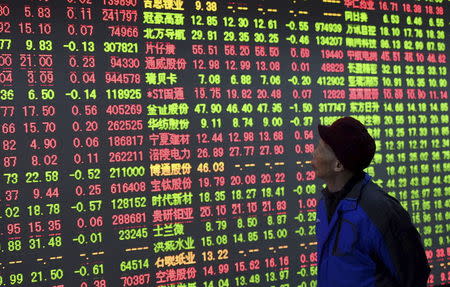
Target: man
x=365, y=237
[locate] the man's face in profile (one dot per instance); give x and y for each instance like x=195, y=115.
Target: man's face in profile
x=323, y=160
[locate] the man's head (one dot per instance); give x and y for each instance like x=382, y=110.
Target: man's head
x=325, y=162
x=344, y=146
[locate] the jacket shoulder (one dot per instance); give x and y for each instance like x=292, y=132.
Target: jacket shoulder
x=384, y=211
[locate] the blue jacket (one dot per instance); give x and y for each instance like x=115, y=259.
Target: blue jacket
x=370, y=241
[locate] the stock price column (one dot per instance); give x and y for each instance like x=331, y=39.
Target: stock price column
x=242, y=196
x=299, y=92
x=207, y=96
x=33, y=210
x=415, y=109
x=84, y=188
x=125, y=138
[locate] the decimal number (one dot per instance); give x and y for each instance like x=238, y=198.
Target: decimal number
x=42, y=45
x=204, y=49
x=29, y=28
x=80, y=29
x=40, y=11
x=210, y=6
x=36, y=177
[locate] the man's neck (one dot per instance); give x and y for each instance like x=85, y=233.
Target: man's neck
x=337, y=183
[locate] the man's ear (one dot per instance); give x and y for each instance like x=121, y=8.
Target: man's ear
x=338, y=167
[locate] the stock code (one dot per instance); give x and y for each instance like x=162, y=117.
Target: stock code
x=168, y=142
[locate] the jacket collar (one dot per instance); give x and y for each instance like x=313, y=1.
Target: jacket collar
x=355, y=193
x=350, y=201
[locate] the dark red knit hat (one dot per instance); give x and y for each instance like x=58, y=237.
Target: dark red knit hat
x=350, y=141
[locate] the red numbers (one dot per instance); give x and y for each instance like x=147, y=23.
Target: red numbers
x=13, y=228
x=122, y=78
x=5, y=27
x=88, y=110
x=129, y=218
x=11, y=195
x=5, y=60
x=8, y=128
x=83, y=13
x=204, y=49
x=94, y=221
x=125, y=125
x=44, y=77
x=124, y=62
x=80, y=29
x=40, y=12
x=88, y=142
x=136, y=140
x=332, y=54
x=135, y=280
x=132, y=3
x=6, y=77
x=85, y=77
x=124, y=31
x=119, y=15
x=300, y=52
x=46, y=160
x=87, y=61
x=333, y=67
x=4, y=10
